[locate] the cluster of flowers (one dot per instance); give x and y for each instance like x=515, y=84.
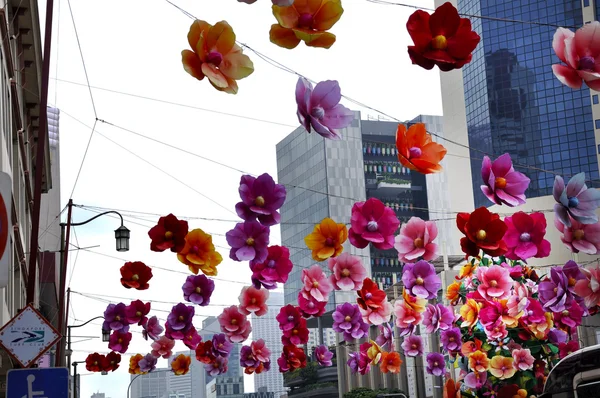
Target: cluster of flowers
x=255, y=358
x=119, y=317
x=103, y=363
x=214, y=354
x=295, y=332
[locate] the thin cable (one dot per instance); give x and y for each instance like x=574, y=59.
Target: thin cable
x=57, y=54
x=84, y=156
x=76, y=257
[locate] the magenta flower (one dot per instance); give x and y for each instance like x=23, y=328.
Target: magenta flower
x=503, y=185
x=180, y=318
x=247, y=359
x=451, y=339
x=136, y=312
x=533, y=313
x=323, y=356
x=320, y=109
x=437, y=316
x=152, y=329
x=119, y=341
x=288, y=317
x=115, y=318
x=221, y=346
x=565, y=349
x=436, y=364
x=261, y=198
x=217, y=366
x=575, y=200
x=420, y=280
x=347, y=272
x=579, y=51
x=162, y=347
x=524, y=236
x=275, y=269
x=348, y=320
x=573, y=273
x=191, y=339
x=310, y=307
x=523, y=360
x=413, y=345
x=580, y=237
x=297, y=335
x=494, y=282
x=234, y=324
x=373, y=222
x=197, y=289
x=385, y=340
x=416, y=241
x=570, y=317
x=148, y=363
x=475, y=380
x=248, y=241
x=588, y=288
x=260, y=350
x=316, y=284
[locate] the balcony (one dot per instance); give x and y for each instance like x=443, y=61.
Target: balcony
x=313, y=381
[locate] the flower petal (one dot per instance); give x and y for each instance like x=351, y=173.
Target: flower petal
x=236, y=66
x=558, y=42
x=329, y=13
x=192, y=64
x=444, y=21
x=214, y=75
x=196, y=30
x=287, y=17
x=315, y=39
x=587, y=40
x=283, y=37
x=220, y=37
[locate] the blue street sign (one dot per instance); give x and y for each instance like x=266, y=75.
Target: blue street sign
x=37, y=383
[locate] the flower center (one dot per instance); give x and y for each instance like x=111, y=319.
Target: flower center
x=413, y=346
x=347, y=318
x=311, y=305
x=329, y=242
x=565, y=313
x=117, y=318
x=305, y=20
x=372, y=226
x=572, y=281
x=451, y=339
x=253, y=301
x=525, y=237
x=345, y=272
x=419, y=281
x=290, y=318
x=315, y=284
x=215, y=365
x=435, y=363
x=317, y=112
x=418, y=243
x=415, y=152
x=138, y=313
x=135, y=277
x=368, y=295
x=295, y=331
x=493, y=283
x=215, y=58
x=578, y=234
x=234, y=321
x=496, y=329
x=194, y=249
x=500, y=182
x=120, y=340
x=198, y=290
x=439, y=42
x=250, y=241
x=95, y=362
x=587, y=63
x=481, y=234
x=168, y=235
x=271, y=264
x=259, y=201
x=181, y=318
x=573, y=202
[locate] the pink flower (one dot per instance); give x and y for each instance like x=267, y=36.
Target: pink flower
x=524, y=236
x=416, y=240
x=475, y=380
x=234, y=324
x=347, y=272
x=406, y=317
x=297, y=335
x=316, y=283
x=437, y=316
x=162, y=347
x=589, y=288
x=260, y=350
x=379, y=315
x=565, y=349
x=503, y=185
x=119, y=341
x=253, y=300
x=288, y=317
x=523, y=360
x=373, y=222
x=580, y=237
x=413, y=345
x=580, y=51
x=310, y=307
x=494, y=282
x=570, y=317
x=496, y=331
x=192, y=338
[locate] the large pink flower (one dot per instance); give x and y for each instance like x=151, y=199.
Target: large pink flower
x=581, y=52
x=503, y=185
x=347, y=272
x=437, y=316
x=580, y=237
x=379, y=315
x=589, y=288
x=524, y=236
x=234, y=324
x=310, y=307
x=163, y=347
x=406, y=317
x=494, y=282
x=253, y=300
x=373, y=222
x=416, y=240
x=316, y=283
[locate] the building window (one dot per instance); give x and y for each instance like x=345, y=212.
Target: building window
x=597, y=122
x=586, y=3
x=595, y=99
x=236, y=388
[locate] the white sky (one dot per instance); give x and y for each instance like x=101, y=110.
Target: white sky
x=134, y=46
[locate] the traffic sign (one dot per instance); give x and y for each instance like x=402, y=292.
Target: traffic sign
x=28, y=336
x=37, y=383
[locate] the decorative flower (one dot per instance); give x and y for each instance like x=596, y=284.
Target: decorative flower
x=248, y=241
x=115, y=318
x=575, y=200
x=253, y=300
x=579, y=52
x=310, y=306
x=437, y=316
x=589, y=288
x=275, y=269
x=417, y=151
x=483, y=230
x=199, y=253
x=136, y=312
x=163, y=347
x=469, y=313
x=261, y=198
x=494, y=282
x=292, y=358
x=205, y=352
x=413, y=345
x=385, y=339
x=323, y=356
x=247, y=359
x=580, y=237
x=147, y=363
x=191, y=339
x=378, y=315
x=502, y=184
x=416, y=241
x=134, y=367
x=135, y=275
x=180, y=317
x=390, y=362
x=524, y=236
x=316, y=283
x=169, y=233
x=347, y=319
x=152, y=329
x=453, y=293
x=475, y=380
x=406, y=317
x=319, y=109
x=373, y=222
x=111, y=362
x=436, y=365
x=215, y=55
x=421, y=280
x=554, y=292
x=326, y=239
x=370, y=296
x=523, y=360
x=288, y=317
x=234, y=324
x=119, y=341
x=197, y=289
x=556, y=336
x=297, y=335
x=479, y=362
x=442, y=38
x=181, y=364
x=217, y=367
x=565, y=349
x=451, y=339
x=502, y=367
x=347, y=272
x=452, y=390
x=415, y=303
x=93, y=362
x=221, y=347
x=307, y=22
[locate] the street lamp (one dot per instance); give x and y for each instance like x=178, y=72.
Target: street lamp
x=136, y=376
x=69, y=351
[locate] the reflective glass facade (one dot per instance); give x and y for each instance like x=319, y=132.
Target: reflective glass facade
x=513, y=101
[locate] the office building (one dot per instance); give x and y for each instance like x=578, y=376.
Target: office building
x=154, y=384
x=191, y=384
x=329, y=338
x=260, y=394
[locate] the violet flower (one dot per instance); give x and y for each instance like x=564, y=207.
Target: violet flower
x=221, y=345
x=247, y=359
x=191, y=339
x=261, y=198
x=352, y=362
x=323, y=356
x=385, y=340
x=148, y=363
x=556, y=336
x=347, y=319
x=115, y=318
x=197, y=289
x=576, y=200
x=275, y=269
x=413, y=345
x=248, y=241
x=217, y=367
x=451, y=339
x=553, y=293
x=420, y=280
x=436, y=364
x=180, y=318
x=437, y=316
x=503, y=185
x=573, y=274
x=152, y=329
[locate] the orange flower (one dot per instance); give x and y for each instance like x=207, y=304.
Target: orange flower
x=417, y=151
x=415, y=303
x=540, y=330
x=326, y=239
x=466, y=270
x=501, y=367
x=453, y=292
x=470, y=313
x=134, y=366
x=390, y=362
x=181, y=364
x=452, y=390
x=199, y=253
x=215, y=55
x=306, y=20
x=470, y=347
x=479, y=361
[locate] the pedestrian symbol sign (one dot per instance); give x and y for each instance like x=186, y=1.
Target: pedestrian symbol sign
x=37, y=383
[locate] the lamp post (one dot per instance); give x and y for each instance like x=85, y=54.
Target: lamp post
x=69, y=352
x=122, y=245
x=136, y=376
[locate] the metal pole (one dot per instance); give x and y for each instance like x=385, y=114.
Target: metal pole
x=75, y=395
x=320, y=330
x=69, y=348
x=130, y=383
x=62, y=319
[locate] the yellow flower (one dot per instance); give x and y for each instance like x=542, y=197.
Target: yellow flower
x=134, y=364
x=326, y=240
x=466, y=270
x=415, y=303
x=502, y=367
x=199, y=253
x=470, y=313
x=374, y=353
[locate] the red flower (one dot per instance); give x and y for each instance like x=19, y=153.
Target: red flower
x=135, y=275
x=204, y=352
x=111, y=362
x=442, y=38
x=370, y=296
x=483, y=230
x=169, y=233
x=94, y=362
x=292, y=358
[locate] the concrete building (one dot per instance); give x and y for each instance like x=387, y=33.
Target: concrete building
x=329, y=338
x=260, y=394
x=191, y=384
x=154, y=384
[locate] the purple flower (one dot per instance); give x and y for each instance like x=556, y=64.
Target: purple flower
x=347, y=319
x=575, y=200
x=276, y=268
x=420, y=280
x=115, y=318
x=247, y=359
x=451, y=340
x=119, y=341
x=320, y=109
x=573, y=274
x=221, y=345
x=197, y=289
x=152, y=329
x=352, y=362
x=437, y=316
x=385, y=340
x=261, y=198
x=413, y=345
x=323, y=355
x=436, y=364
x=148, y=363
x=192, y=338
x=553, y=293
x=217, y=367
x=248, y=241
x=180, y=318
x=556, y=336
x=503, y=185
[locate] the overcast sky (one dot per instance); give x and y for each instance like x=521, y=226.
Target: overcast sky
x=135, y=46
